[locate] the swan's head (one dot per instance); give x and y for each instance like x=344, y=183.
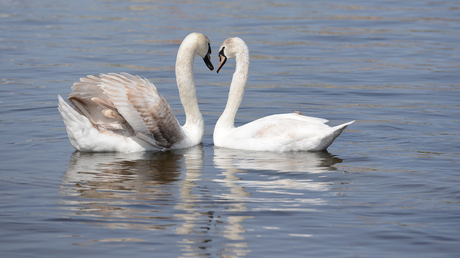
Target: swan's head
x=203, y=47
x=231, y=48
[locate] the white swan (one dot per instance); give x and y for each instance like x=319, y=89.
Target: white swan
x=283, y=132
x=125, y=113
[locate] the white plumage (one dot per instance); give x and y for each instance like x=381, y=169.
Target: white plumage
x=282, y=132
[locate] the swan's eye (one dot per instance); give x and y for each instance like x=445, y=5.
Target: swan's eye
x=209, y=49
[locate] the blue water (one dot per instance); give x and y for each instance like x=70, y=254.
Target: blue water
x=387, y=187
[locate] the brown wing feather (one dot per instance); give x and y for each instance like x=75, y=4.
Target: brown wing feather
x=89, y=100
x=156, y=113
x=104, y=102
x=88, y=87
x=92, y=111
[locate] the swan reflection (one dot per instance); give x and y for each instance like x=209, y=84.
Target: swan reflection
x=302, y=162
x=233, y=161
x=152, y=191
x=265, y=191
x=127, y=189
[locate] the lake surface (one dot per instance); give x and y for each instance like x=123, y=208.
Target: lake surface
x=388, y=187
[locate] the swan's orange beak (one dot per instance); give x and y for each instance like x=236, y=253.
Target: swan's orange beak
x=222, y=60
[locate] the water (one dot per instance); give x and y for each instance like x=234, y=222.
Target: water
x=388, y=186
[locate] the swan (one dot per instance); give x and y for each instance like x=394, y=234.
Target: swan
x=281, y=132
x=125, y=113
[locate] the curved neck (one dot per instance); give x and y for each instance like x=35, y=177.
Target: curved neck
x=186, y=82
x=235, y=96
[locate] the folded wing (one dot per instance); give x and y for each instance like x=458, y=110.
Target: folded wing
x=111, y=100
x=148, y=113
x=156, y=113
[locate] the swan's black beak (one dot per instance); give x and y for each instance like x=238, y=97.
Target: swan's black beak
x=222, y=59
x=207, y=58
x=207, y=61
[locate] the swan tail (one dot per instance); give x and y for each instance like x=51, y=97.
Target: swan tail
x=69, y=115
x=75, y=123
x=336, y=131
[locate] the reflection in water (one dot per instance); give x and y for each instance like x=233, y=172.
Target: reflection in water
x=289, y=189
x=126, y=189
x=311, y=162
x=237, y=161
x=165, y=191
x=150, y=191
x=196, y=209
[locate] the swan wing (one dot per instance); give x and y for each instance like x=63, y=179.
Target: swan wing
x=88, y=87
x=286, y=126
x=156, y=113
x=301, y=116
x=105, y=101
x=96, y=113
x=115, y=87
x=89, y=100
x=288, y=132
x=290, y=125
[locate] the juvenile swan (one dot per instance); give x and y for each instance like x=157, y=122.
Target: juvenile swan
x=283, y=132
x=125, y=113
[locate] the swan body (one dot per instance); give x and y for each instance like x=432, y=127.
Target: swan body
x=124, y=113
x=281, y=132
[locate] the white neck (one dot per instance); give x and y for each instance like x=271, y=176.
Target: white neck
x=186, y=83
x=235, y=96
